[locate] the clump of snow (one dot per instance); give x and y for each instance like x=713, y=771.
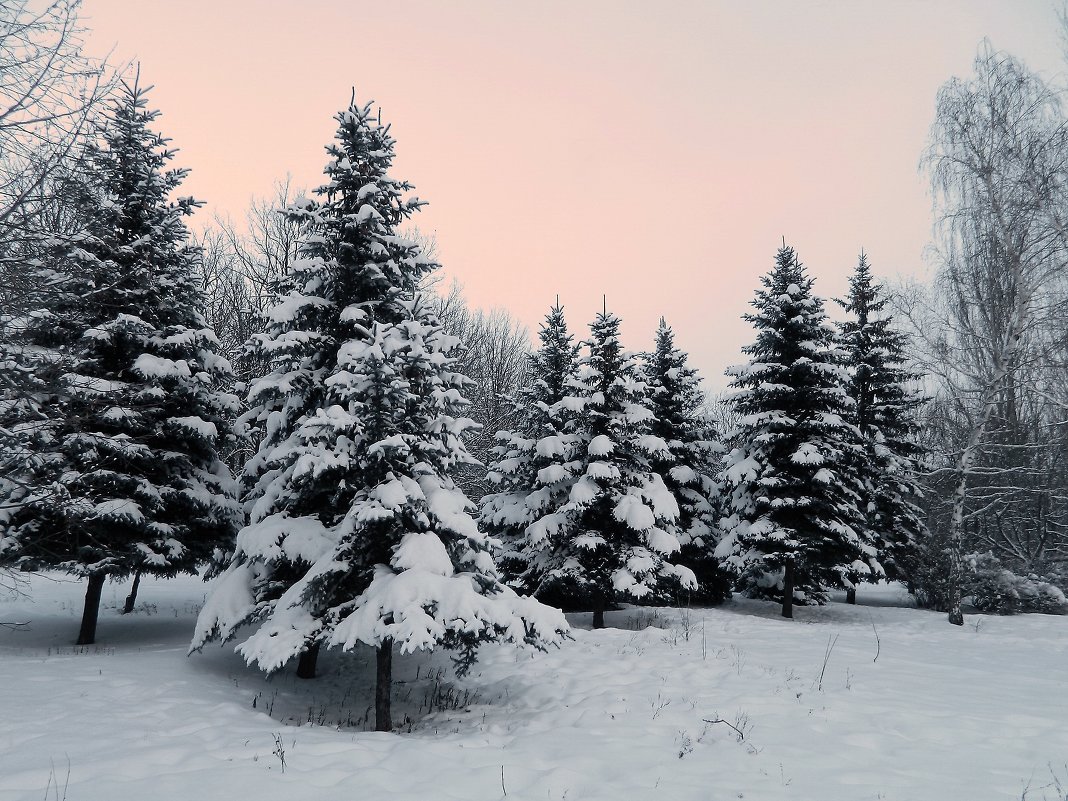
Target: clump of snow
x=601, y=445
x=423, y=551
x=119, y=509
x=151, y=366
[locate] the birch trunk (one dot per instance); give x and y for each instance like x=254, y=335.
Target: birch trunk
x=1004, y=360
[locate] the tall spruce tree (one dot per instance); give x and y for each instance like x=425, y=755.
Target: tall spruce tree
x=794, y=527
x=691, y=463
x=530, y=469
x=613, y=535
x=884, y=412
x=125, y=475
x=358, y=534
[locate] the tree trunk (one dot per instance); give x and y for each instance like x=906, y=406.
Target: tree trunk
x=91, y=610
x=131, y=599
x=1004, y=362
x=955, y=544
x=851, y=595
x=306, y=662
x=788, y=591
x=384, y=686
x=598, y=617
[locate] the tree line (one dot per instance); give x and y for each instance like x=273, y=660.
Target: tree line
x=354, y=455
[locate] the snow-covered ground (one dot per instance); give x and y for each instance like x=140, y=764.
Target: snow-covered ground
x=945, y=713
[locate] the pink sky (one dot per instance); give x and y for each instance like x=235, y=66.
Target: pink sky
x=655, y=152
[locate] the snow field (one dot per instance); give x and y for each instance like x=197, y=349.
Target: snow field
x=623, y=713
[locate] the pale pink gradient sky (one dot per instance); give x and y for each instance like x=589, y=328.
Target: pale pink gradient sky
x=653, y=151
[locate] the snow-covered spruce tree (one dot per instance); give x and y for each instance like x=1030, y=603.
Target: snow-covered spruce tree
x=691, y=463
x=357, y=533
x=612, y=537
x=884, y=412
x=125, y=475
x=529, y=472
x=793, y=527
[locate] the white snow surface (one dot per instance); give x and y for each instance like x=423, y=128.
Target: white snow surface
x=930, y=712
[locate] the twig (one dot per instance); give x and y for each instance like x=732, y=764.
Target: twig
x=53, y=781
x=503, y=788
x=739, y=732
x=878, y=642
x=279, y=749
x=827, y=658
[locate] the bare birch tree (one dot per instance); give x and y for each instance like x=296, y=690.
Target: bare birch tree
x=999, y=165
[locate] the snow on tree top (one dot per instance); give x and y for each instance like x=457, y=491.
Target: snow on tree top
x=650, y=443
x=636, y=413
x=683, y=474
x=449, y=505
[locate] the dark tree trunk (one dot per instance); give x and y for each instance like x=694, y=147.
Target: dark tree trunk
x=307, y=661
x=384, y=687
x=131, y=599
x=851, y=595
x=598, y=618
x=91, y=610
x=956, y=616
x=788, y=591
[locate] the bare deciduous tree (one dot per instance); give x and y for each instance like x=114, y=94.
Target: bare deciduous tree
x=999, y=166
x=497, y=360
x=48, y=93
x=243, y=268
